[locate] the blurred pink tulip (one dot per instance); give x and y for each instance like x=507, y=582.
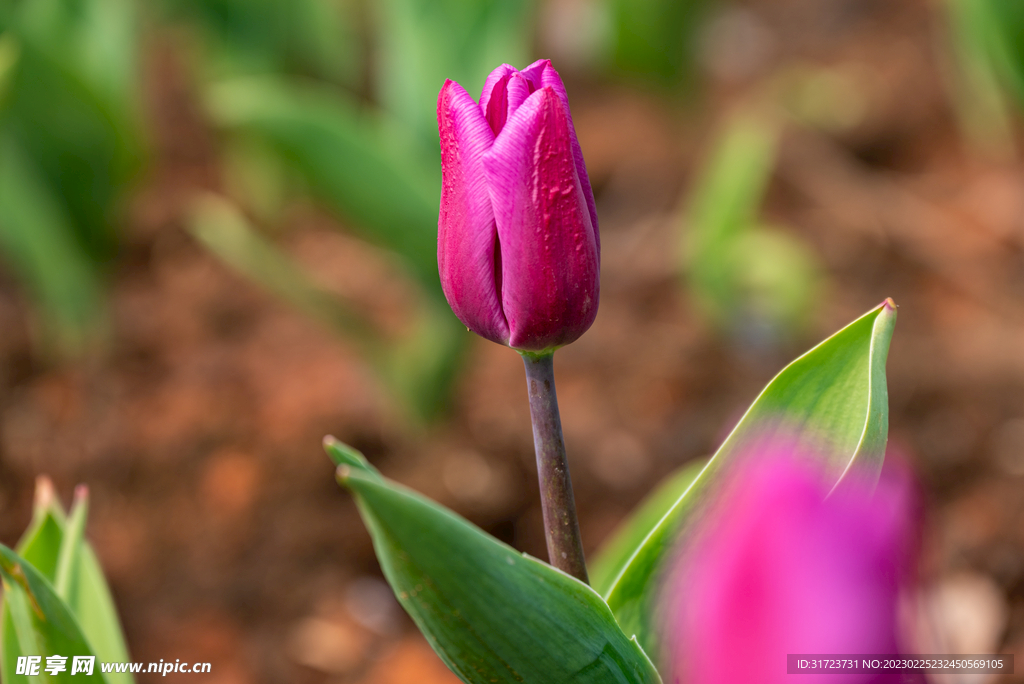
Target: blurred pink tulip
x=517, y=245
x=778, y=566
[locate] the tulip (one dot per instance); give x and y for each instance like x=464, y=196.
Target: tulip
x=517, y=242
x=779, y=567
x=518, y=250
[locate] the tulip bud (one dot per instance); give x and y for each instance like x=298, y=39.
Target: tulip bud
x=779, y=567
x=517, y=242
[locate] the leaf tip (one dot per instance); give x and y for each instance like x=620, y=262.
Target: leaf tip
x=81, y=495
x=45, y=493
x=339, y=452
x=889, y=304
x=342, y=454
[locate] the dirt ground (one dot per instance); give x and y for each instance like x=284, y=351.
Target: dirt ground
x=213, y=507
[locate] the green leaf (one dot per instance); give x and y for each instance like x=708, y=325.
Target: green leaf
x=222, y=229
x=976, y=82
x=423, y=42
x=832, y=401
x=38, y=243
x=41, y=623
x=307, y=37
x=54, y=546
x=418, y=369
x=723, y=210
x=364, y=167
x=491, y=613
x=657, y=38
x=72, y=106
x=41, y=542
x=606, y=565
x=71, y=546
x=1006, y=43
x=342, y=454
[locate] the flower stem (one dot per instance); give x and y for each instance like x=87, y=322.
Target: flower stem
x=561, y=526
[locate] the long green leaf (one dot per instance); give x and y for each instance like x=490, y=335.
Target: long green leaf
x=42, y=623
x=723, y=210
x=418, y=369
x=978, y=82
x=832, y=401
x=492, y=614
x=364, y=168
x=37, y=241
x=224, y=230
x=1007, y=43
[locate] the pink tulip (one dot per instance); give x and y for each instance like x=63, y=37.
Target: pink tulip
x=776, y=568
x=517, y=242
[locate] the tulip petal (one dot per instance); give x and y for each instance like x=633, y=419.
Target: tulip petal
x=542, y=74
x=500, y=74
x=503, y=95
x=467, y=239
x=550, y=262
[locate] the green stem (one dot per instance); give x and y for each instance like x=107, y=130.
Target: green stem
x=561, y=526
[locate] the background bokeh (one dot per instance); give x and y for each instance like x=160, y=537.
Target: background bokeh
x=217, y=245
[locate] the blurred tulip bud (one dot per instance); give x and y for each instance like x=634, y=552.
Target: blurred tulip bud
x=779, y=566
x=517, y=245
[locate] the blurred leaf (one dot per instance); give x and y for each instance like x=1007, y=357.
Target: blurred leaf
x=759, y=285
x=657, y=38
x=423, y=42
x=1007, y=43
x=364, y=169
x=69, y=563
x=491, y=613
x=979, y=50
x=222, y=229
x=422, y=367
x=829, y=98
x=418, y=369
x=72, y=106
x=40, y=544
x=42, y=624
x=307, y=37
x=616, y=552
x=775, y=282
x=723, y=206
x=70, y=141
x=833, y=401
x=258, y=176
x=37, y=242
x=69, y=553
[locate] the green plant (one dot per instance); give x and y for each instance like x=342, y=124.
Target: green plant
x=495, y=615
x=56, y=601
x=70, y=145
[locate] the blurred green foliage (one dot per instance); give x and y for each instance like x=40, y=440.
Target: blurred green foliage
x=294, y=124
x=755, y=283
x=332, y=99
x=1008, y=44
x=423, y=42
x=986, y=43
x=316, y=38
x=657, y=39
x=56, y=600
x=70, y=144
